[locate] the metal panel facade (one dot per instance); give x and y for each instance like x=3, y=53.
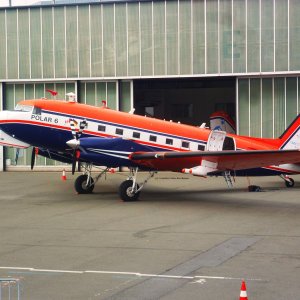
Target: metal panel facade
x=266, y=106
x=150, y=39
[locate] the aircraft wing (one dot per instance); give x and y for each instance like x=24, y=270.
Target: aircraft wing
x=222, y=160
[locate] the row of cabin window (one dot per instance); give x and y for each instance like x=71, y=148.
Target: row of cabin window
x=152, y=138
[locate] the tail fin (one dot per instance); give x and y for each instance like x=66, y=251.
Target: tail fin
x=220, y=120
x=291, y=137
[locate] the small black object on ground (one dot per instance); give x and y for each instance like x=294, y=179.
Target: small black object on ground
x=254, y=188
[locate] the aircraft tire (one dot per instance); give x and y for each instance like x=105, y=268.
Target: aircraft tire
x=80, y=186
x=290, y=183
x=125, y=191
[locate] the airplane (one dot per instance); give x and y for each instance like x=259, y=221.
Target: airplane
x=70, y=132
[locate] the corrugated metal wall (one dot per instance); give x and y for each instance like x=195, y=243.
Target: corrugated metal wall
x=158, y=38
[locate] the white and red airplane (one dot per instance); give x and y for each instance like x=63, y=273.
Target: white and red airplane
x=68, y=131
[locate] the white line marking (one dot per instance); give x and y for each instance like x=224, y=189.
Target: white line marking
x=198, y=279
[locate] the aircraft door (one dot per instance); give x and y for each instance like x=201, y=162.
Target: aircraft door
x=229, y=143
x=216, y=140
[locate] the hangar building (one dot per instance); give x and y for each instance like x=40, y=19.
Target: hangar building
x=173, y=59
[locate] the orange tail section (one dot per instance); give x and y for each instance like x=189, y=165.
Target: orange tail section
x=290, y=139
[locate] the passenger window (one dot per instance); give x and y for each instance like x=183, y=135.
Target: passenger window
x=153, y=138
x=119, y=131
x=136, y=135
x=169, y=141
x=201, y=147
x=101, y=128
x=185, y=144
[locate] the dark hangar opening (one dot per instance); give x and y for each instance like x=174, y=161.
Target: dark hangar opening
x=189, y=101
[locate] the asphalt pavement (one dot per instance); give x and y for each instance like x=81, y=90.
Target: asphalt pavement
x=187, y=238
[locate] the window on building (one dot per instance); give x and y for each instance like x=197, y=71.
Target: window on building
x=119, y=131
x=153, y=138
x=101, y=128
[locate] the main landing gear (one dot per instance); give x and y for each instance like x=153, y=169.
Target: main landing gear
x=129, y=190
x=289, y=182
x=84, y=184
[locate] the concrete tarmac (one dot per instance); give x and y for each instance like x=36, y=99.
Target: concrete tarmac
x=187, y=238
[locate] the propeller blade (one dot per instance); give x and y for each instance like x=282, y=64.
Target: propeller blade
x=74, y=160
x=76, y=142
x=82, y=126
x=73, y=128
x=33, y=153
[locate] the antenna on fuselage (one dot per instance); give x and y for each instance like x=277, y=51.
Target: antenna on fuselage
x=71, y=97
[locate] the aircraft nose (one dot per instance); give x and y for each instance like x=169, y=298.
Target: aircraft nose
x=74, y=144
x=3, y=116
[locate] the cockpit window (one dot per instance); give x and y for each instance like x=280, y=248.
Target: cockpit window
x=37, y=111
x=21, y=107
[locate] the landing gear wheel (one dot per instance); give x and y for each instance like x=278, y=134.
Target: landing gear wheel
x=290, y=182
x=126, y=193
x=81, y=187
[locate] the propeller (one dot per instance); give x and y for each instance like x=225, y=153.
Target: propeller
x=34, y=153
x=75, y=142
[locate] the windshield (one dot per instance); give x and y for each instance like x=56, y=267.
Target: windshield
x=27, y=108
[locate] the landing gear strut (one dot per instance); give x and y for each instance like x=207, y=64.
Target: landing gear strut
x=289, y=182
x=129, y=189
x=84, y=184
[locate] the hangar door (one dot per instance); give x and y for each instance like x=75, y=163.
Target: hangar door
x=189, y=101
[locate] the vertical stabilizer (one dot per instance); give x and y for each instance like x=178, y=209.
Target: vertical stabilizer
x=291, y=137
